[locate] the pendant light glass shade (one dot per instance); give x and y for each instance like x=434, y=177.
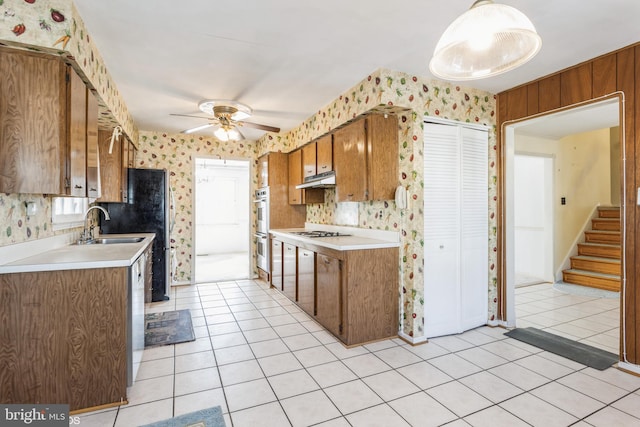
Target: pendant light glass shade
x=486, y=40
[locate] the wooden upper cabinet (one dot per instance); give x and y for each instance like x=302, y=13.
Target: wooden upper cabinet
x=111, y=169
x=295, y=177
x=43, y=125
x=77, y=125
x=32, y=123
x=365, y=159
x=349, y=162
x=309, y=160
x=382, y=156
x=324, y=154
x=92, y=146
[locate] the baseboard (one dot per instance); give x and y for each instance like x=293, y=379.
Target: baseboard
x=412, y=340
x=629, y=367
x=184, y=283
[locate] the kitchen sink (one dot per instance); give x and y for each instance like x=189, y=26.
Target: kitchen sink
x=113, y=240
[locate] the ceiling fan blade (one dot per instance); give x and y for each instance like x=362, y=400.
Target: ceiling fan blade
x=197, y=128
x=261, y=127
x=189, y=115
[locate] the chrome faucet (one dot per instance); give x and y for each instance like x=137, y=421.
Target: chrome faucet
x=87, y=235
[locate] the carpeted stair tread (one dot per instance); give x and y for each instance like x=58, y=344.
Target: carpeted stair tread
x=582, y=353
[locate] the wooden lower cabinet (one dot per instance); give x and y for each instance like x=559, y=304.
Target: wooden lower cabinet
x=289, y=271
x=276, y=264
x=328, y=293
x=306, y=280
x=64, y=337
x=354, y=294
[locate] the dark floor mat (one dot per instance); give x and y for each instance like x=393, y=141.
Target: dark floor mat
x=576, y=351
x=168, y=327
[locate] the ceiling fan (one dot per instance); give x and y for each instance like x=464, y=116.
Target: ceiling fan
x=228, y=116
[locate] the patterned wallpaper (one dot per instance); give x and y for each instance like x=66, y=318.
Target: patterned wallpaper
x=35, y=25
x=54, y=26
x=411, y=98
x=175, y=153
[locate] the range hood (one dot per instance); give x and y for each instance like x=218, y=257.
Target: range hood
x=323, y=180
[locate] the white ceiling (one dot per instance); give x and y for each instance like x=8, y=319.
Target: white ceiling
x=287, y=59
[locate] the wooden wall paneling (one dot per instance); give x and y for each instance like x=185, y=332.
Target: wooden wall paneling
x=604, y=75
x=532, y=98
x=549, y=93
x=576, y=84
x=626, y=83
x=517, y=103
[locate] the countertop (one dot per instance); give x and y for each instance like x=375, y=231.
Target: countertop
x=358, y=239
x=71, y=257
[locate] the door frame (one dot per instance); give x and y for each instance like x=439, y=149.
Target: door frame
x=251, y=172
x=507, y=288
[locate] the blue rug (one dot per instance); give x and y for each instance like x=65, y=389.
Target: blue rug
x=210, y=417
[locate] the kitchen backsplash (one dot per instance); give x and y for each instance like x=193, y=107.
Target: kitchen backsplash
x=411, y=98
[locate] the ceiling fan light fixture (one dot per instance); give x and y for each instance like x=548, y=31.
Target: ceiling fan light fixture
x=236, y=110
x=486, y=40
x=225, y=134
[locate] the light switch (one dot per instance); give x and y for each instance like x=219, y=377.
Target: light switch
x=638, y=197
x=31, y=208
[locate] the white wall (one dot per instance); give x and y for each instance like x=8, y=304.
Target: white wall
x=582, y=175
x=222, y=208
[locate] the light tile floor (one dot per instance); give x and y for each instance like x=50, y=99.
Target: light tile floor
x=266, y=363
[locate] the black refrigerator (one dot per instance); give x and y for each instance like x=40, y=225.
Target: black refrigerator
x=146, y=212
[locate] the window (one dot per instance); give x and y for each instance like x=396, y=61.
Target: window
x=68, y=212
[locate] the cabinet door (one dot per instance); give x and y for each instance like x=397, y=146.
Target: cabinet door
x=92, y=146
x=324, y=154
x=32, y=124
x=77, y=145
x=110, y=168
x=328, y=291
x=306, y=280
x=309, y=160
x=289, y=272
x=349, y=162
x=295, y=177
x=124, y=164
x=276, y=264
x=382, y=156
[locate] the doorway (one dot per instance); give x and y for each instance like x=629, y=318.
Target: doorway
x=533, y=222
x=583, y=314
x=221, y=220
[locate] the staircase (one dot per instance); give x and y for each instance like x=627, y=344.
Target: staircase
x=598, y=261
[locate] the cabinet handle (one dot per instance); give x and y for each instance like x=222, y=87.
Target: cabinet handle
x=77, y=186
x=93, y=189
x=326, y=261
x=305, y=254
x=350, y=195
x=324, y=167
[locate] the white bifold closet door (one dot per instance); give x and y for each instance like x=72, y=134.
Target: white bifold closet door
x=456, y=228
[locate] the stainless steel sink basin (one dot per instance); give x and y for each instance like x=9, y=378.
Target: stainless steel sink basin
x=113, y=240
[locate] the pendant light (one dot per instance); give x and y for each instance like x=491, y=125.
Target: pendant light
x=486, y=40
